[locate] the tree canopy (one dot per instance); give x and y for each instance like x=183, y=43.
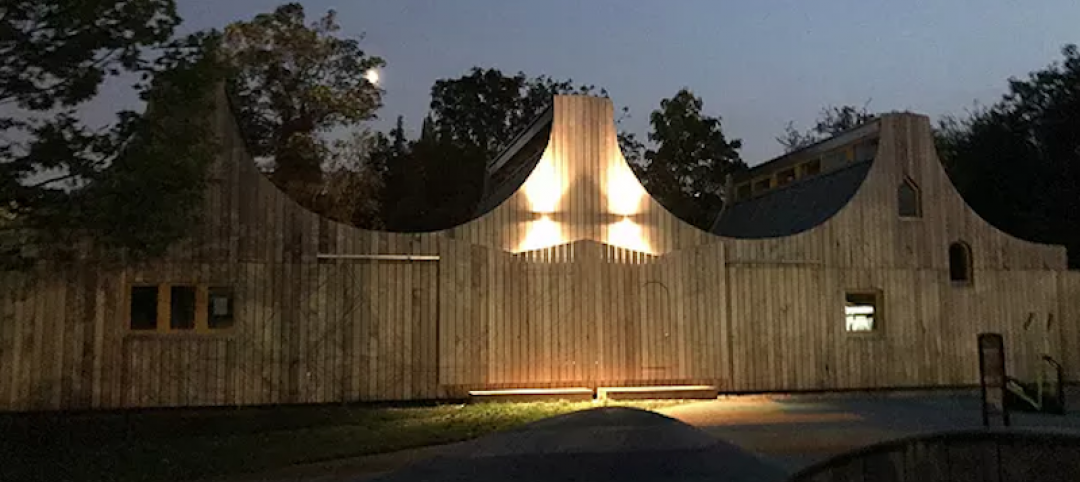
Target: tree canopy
x=1017, y=162
x=436, y=181
x=688, y=165
x=291, y=83
x=129, y=188
x=831, y=121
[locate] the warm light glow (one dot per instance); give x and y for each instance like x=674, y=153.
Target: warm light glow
x=624, y=192
x=531, y=391
x=543, y=233
x=626, y=234
x=544, y=187
x=372, y=75
x=859, y=317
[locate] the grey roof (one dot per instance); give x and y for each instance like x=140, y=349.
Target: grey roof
x=507, y=172
x=794, y=208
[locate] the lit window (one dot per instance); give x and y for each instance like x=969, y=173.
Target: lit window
x=960, y=263
x=907, y=197
x=811, y=168
x=180, y=308
x=219, y=308
x=861, y=312
x=785, y=177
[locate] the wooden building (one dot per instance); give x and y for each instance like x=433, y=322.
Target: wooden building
x=851, y=264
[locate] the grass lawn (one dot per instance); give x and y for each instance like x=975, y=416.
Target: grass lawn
x=186, y=444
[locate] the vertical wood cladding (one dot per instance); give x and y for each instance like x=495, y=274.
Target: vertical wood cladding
x=328, y=313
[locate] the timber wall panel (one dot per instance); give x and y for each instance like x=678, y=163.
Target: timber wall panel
x=685, y=307
x=1069, y=321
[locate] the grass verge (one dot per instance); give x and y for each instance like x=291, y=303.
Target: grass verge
x=186, y=444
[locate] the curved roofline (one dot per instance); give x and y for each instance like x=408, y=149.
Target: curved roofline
x=521, y=140
x=497, y=195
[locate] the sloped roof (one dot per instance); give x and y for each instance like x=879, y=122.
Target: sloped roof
x=794, y=208
x=507, y=172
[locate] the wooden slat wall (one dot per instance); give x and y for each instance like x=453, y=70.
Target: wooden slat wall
x=787, y=293
x=1069, y=321
x=684, y=307
x=598, y=189
x=575, y=315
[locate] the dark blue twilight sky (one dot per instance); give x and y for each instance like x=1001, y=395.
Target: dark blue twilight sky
x=758, y=64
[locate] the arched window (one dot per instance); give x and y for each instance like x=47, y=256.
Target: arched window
x=907, y=197
x=960, y=263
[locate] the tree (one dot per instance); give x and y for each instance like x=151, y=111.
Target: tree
x=1017, y=162
x=486, y=108
x=831, y=121
x=291, y=83
x=350, y=190
x=436, y=181
x=131, y=188
x=687, y=169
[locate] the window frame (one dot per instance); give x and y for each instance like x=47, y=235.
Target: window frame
x=787, y=176
x=755, y=190
x=907, y=181
x=164, y=310
x=969, y=264
x=879, y=312
x=230, y=295
x=803, y=168
x=129, y=298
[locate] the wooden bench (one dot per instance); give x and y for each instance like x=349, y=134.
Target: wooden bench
x=674, y=392
x=532, y=395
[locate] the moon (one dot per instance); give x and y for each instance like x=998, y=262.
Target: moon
x=372, y=75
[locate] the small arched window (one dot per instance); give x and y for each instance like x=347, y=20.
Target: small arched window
x=907, y=197
x=960, y=263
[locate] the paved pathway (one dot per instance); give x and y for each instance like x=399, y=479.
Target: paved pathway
x=758, y=438
x=794, y=432
x=617, y=444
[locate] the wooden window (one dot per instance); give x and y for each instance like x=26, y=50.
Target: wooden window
x=743, y=191
x=908, y=199
x=143, y=307
x=182, y=308
x=762, y=185
x=179, y=308
x=219, y=308
x=960, y=263
x=785, y=177
x=811, y=168
x=835, y=158
x=862, y=313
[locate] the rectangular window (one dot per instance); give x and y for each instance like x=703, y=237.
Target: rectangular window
x=785, y=177
x=182, y=308
x=763, y=185
x=861, y=312
x=144, y=308
x=835, y=159
x=219, y=308
x=811, y=168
